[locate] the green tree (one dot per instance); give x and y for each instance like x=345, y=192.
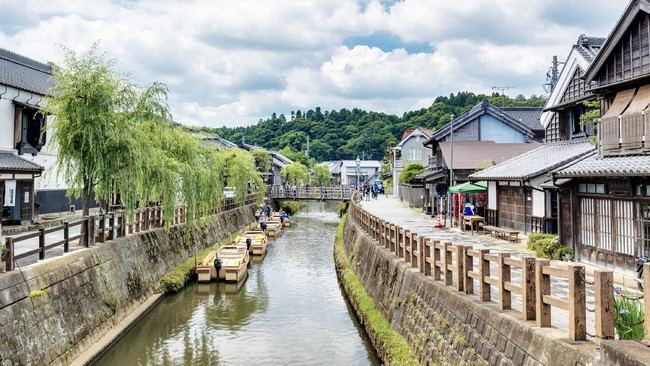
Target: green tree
x=591, y=116
x=295, y=173
x=95, y=113
x=409, y=172
x=322, y=175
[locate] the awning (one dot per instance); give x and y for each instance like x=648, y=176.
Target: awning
x=469, y=187
x=609, y=123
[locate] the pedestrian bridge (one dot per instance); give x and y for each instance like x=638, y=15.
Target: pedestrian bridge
x=335, y=193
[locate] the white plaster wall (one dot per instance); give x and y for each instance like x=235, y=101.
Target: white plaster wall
x=539, y=203
x=492, y=195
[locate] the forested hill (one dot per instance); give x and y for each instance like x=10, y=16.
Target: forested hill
x=344, y=134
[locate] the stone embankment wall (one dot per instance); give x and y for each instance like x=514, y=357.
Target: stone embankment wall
x=446, y=327
x=50, y=312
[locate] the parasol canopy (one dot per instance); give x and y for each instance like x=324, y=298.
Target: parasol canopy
x=469, y=187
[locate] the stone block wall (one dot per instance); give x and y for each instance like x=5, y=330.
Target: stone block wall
x=446, y=327
x=51, y=311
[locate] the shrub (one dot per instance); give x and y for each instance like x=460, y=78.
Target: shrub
x=546, y=247
x=561, y=253
x=342, y=208
x=291, y=207
x=534, y=237
x=628, y=312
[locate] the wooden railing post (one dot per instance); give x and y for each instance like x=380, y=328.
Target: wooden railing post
x=505, y=297
x=542, y=288
x=404, y=245
x=100, y=229
x=484, y=270
x=460, y=266
x=147, y=219
x=9, y=244
x=420, y=250
x=604, y=299
x=138, y=220
x=577, y=303
x=41, y=244
x=528, y=289
x=646, y=295
x=448, y=273
x=123, y=224
x=428, y=256
x=111, y=233
x=90, y=230
x=66, y=237
x=467, y=268
x=436, y=260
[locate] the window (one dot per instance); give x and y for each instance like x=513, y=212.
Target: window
x=591, y=188
x=28, y=130
x=414, y=155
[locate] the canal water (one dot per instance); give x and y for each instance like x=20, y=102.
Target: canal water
x=289, y=311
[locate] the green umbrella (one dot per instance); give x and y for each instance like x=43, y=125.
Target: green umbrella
x=469, y=187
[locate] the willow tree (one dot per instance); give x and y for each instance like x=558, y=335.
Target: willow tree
x=295, y=173
x=322, y=175
x=95, y=113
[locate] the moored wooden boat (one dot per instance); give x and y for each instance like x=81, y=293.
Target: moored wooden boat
x=258, y=241
x=229, y=263
x=273, y=227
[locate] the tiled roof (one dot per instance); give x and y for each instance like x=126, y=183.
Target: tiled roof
x=536, y=162
x=425, y=131
x=12, y=162
x=526, y=120
x=593, y=166
x=528, y=116
x=24, y=73
x=589, y=46
x=470, y=154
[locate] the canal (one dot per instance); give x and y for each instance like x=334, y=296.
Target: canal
x=289, y=311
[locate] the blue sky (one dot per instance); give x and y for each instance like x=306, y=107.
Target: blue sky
x=234, y=62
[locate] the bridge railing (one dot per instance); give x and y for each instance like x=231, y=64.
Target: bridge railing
x=341, y=193
x=103, y=227
x=460, y=266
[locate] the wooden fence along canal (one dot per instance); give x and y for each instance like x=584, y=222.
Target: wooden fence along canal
x=98, y=229
x=336, y=193
x=459, y=266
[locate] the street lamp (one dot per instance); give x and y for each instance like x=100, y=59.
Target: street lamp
x=395, y=178
x=451, y=173
x=358, y=162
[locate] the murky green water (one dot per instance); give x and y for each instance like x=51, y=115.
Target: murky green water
x=290, y=311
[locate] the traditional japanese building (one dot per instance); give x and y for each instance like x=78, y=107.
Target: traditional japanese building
x=611, y=189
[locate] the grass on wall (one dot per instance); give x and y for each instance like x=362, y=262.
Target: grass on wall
x=394, y=347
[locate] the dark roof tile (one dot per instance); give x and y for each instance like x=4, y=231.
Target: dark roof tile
x=634, y=165
x=24, y=73
x=12, y=162
x=470, y=154
x=536, y=162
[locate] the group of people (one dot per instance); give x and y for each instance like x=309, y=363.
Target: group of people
x=263, y=213
x=369, y=191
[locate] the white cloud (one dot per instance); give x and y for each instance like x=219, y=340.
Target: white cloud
x=234, y=62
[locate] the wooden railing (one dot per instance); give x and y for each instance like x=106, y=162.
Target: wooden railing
x=461, y=266
x=339, y=193
x=102, y=227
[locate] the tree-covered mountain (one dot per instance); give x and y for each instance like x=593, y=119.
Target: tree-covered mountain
x=346, y=133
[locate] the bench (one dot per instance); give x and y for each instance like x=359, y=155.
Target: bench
x=512, y=235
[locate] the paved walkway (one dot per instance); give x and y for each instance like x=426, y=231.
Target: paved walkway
x=397, y=212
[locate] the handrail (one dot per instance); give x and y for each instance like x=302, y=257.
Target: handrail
x=445, y=261
x=105, y=226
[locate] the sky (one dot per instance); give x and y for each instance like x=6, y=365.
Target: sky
x=233, y=62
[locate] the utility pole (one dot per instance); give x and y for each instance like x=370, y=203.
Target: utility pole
x=503, y=97
x=307, y=151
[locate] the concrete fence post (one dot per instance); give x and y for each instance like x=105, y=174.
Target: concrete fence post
x=111, y=223
x=484, y=270
x=468, y=267
x=90, y=231
x=542, y=288
x=604, y=299
x=66, y=237
x=505, y=297
x=528, y=302
x=41, y=244
x=101, y=229
x=577, y=303
x=460, y=268
x=447, y=270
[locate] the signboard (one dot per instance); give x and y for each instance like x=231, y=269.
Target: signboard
x=10, y=193
x=620, y=187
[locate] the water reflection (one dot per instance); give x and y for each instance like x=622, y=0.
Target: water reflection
x=290, y=310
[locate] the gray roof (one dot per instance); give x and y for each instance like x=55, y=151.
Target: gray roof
x=471, y=154
x=536, y=162
x=219, y=141
x=593, y=166
x=24, y=73
x=528, y=116
x=589, y=46
x=12, y=162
